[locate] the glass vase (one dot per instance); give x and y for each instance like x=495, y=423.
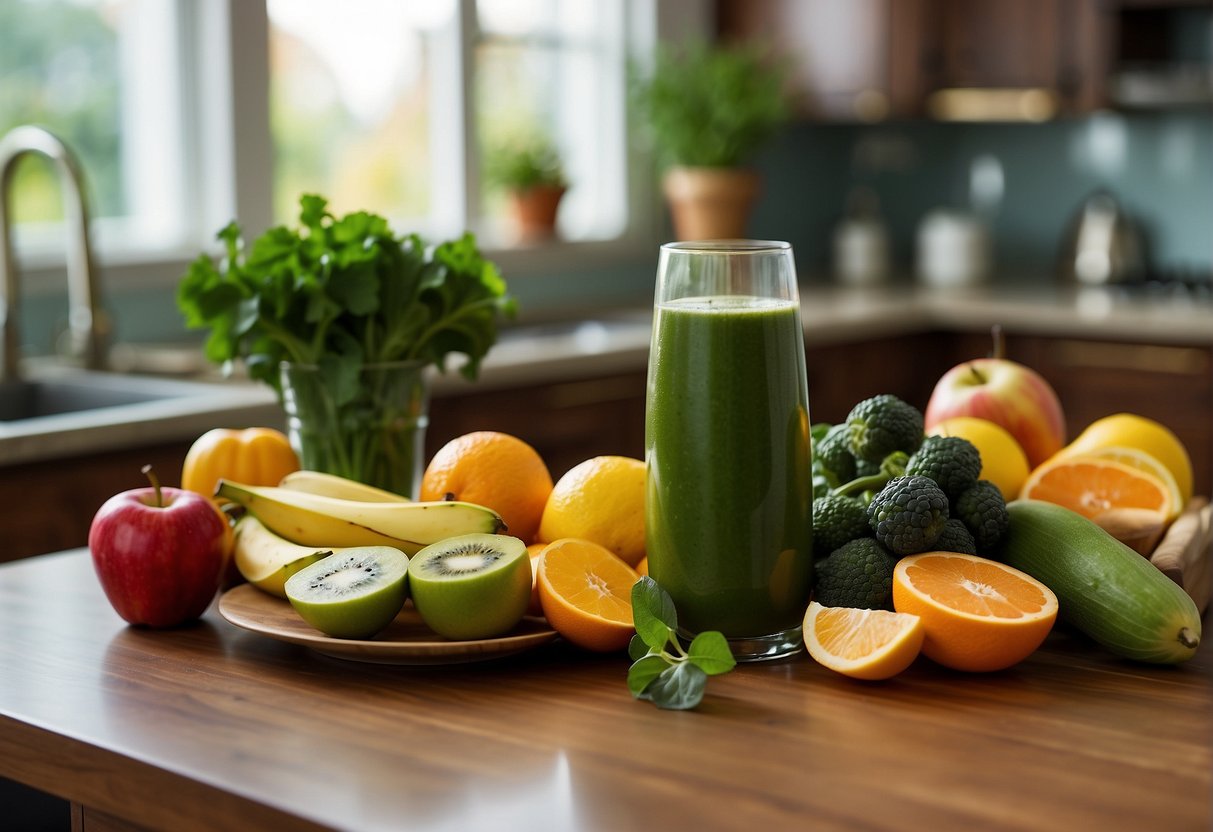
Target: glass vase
x=370, y=428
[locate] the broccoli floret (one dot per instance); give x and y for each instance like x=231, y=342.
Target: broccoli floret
x=863, y=468
x=837, y=519
x=955, y=537
x=954, y=463
x=984, y=511
x=834, y=454
x=858, y=574
x=908, y=514
x=881, y=425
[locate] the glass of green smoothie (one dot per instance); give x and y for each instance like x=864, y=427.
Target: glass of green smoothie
x=729, y=488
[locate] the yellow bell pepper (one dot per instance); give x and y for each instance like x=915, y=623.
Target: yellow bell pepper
x=253, y=456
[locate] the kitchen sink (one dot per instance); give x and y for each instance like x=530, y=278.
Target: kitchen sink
x=65, y=411
x=21, y=400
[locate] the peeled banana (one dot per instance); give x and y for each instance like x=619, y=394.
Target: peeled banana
x=267, y=560
x=331, y=485
x=316, y=520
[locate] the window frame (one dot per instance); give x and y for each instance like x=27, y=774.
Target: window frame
x=224, y=114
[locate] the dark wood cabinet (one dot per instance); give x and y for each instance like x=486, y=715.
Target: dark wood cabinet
x=867, y=60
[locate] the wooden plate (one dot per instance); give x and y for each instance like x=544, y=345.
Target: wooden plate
x=405, y=641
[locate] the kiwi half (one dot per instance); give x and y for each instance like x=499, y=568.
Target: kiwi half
x=352, y=594
x=471, y=586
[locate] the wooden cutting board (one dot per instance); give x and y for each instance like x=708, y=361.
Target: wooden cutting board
x=1185, y=554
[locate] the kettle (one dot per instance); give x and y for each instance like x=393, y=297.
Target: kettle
x=1103, y=244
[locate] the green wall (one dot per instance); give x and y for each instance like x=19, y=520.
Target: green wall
x=1160, y=166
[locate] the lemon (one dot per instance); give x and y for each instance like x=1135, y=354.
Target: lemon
x=600, y=500
x=1003, y=461
x=1128, y=430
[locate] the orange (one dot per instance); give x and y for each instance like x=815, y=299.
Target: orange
x=1128, y=430
x=863, y=644
x=495, y=470
x=1092, y=485
x=601, y=499
x=978, y=614
x=586, y=594
x=1003, y=461
x=535, y=550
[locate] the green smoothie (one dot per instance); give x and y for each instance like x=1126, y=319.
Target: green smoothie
x=729, y=495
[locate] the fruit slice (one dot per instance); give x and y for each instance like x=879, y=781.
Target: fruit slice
x=331, y=485
x=472, y=586
x=586, y=594
x=1133, y=431
x=977, y=614
x=862, y=644
x=1148, y=463
x=266, y=560
x=351, y=594
x=1092, y=485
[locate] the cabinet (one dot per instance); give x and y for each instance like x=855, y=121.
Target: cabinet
x=866, y=60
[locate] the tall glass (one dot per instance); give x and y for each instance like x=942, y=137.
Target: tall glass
x=729, y=487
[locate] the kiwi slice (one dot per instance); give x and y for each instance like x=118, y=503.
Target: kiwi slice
x=471, y=586
x=352, y=594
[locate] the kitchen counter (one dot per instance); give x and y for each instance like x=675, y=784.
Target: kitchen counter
x=618, y=341
x=211, y=727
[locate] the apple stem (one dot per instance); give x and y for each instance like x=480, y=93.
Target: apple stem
x=155, y=481
x=1000, y=342
x=977, y=374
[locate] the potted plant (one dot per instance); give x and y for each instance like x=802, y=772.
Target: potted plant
x=707, y=109
x=530, y=172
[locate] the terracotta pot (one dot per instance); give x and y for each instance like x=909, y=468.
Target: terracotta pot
x=710, y=203
x=534, y=212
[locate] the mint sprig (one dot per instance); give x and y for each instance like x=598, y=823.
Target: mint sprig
x=662, y=671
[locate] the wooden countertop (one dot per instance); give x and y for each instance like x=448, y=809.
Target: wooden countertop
x=212, y=727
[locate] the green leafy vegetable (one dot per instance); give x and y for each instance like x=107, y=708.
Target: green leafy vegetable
x=670, y=679
x=340, y=293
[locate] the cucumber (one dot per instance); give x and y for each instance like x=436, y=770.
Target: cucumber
x=1104, y=588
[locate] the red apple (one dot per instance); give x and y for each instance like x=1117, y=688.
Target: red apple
x=1006, y=393
x=160, y=553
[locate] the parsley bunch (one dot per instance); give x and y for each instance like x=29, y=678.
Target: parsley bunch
x=341, y=293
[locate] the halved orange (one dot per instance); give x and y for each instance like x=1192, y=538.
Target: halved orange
x=1092, y=485
x=863, y=644
x=586, y=594
x=977, y=614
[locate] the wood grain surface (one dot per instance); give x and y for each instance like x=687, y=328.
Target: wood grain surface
x=211, y=727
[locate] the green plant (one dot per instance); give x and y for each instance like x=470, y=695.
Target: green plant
x=518, y=164
x=673, y=679
x=710, y=106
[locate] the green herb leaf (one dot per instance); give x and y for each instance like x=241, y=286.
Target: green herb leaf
x=643, y=672
x=637, y=649
x=678, y=687
x=653, y=613
x=710, y=653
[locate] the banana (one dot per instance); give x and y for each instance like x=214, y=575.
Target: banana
x=331, y=485
x=267, y=560
x=315, y=520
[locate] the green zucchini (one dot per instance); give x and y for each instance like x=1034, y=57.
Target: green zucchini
x=1104, y=588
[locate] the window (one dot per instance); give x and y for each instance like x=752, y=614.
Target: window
x=187, y=113
x=103, y=76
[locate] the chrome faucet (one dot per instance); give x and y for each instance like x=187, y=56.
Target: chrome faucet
x=87, y=322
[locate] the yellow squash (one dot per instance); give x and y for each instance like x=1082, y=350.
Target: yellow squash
x=257, y=456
